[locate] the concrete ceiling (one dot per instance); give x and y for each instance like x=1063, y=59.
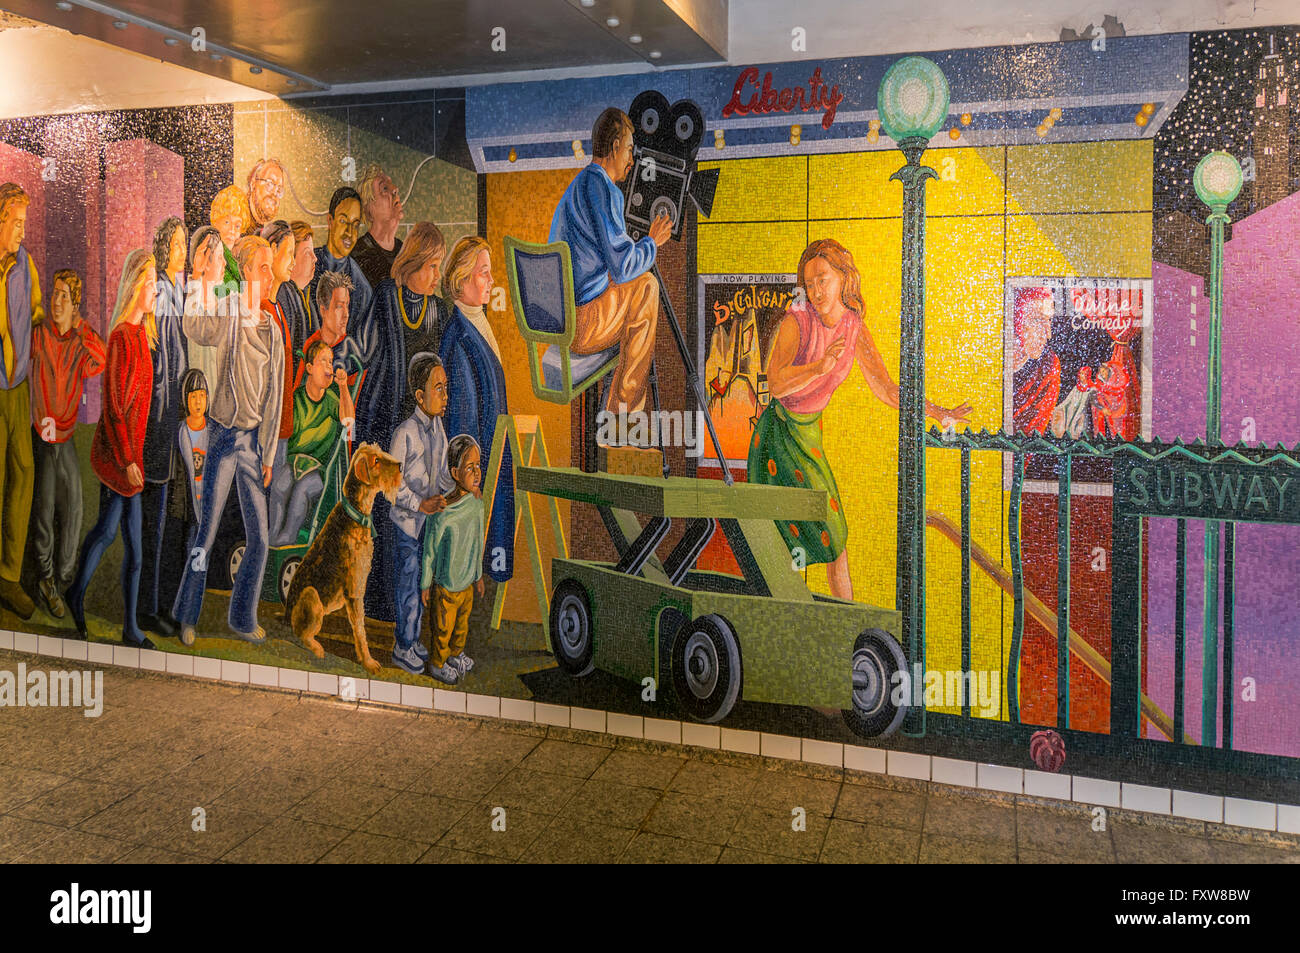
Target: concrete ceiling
x=84, y=54
x=311, y=46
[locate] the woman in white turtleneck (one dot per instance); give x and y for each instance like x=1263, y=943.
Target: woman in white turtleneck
x=476, y=386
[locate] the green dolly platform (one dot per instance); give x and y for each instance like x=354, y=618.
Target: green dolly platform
x=718, y=637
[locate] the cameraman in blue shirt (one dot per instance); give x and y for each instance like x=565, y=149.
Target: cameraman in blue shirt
x=616, y=293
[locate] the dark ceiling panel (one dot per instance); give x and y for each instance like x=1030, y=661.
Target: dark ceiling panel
x=327, y=43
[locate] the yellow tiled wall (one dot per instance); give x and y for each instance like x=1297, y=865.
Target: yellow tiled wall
x=1045, y=210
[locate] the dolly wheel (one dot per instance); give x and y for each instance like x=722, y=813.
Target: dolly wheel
x=287, y=571
x=706, y=668
x=571, y=628
x=876, y=657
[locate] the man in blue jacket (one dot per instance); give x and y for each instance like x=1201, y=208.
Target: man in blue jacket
x=616, y=293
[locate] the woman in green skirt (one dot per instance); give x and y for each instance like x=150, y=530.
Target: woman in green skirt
x=812, y=353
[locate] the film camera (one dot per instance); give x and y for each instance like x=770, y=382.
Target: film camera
x=664, y=141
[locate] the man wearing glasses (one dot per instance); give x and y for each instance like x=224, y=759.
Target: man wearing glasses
x=265, y=189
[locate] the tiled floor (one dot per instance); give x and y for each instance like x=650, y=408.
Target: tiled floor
x=178, y=770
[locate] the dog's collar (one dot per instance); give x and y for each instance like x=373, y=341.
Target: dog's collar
x=363, y=519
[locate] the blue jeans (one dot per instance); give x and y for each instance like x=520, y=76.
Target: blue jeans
x=232, y=455
x=406, y=590
x=112, y=506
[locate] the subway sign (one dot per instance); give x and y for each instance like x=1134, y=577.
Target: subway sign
x=1224, y=490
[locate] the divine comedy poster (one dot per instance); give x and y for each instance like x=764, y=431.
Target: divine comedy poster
x=1077, y=364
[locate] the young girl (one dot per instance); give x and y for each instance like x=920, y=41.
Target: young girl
x=117, y=452
x=193, y=435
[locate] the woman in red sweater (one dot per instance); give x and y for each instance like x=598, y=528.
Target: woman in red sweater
x=117, y=452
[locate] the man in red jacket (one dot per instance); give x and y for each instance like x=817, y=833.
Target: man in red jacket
x=65, y=351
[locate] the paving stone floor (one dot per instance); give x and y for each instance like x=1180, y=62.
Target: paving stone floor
x=288, y=778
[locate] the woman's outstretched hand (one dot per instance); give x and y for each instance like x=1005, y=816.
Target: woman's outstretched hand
x=955, y=415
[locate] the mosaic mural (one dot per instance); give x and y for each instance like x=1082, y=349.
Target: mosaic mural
x=933, y=402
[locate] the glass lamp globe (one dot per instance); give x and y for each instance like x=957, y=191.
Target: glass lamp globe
x=1217, y=180
x=913, y=99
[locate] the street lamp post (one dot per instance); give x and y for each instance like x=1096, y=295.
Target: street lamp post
x=1217, y=180
x=913, y=104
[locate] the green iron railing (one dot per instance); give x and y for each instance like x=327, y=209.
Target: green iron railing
x=1132, y=504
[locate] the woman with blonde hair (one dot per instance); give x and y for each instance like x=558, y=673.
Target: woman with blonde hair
x=815, y=346
x=406, y=318
x=117, y=451
x=476, y=386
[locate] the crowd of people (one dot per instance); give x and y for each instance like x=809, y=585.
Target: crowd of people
x=242, y=354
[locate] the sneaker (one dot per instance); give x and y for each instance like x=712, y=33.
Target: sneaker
x=448, y=674
x=15, y=599
x=257, y=636
x=408, y=660
x=53, y=601
x=462, y=662
x=187, y=635
x=420, y=650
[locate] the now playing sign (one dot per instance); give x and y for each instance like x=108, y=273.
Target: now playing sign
x=1225, y=490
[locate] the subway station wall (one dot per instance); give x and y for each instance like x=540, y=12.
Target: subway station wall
x=1069, y=288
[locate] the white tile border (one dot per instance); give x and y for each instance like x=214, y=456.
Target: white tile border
x=485, y=706
x=353, y=689
x=1288, y=819
x=659, y=729
x=1199, y=807
x=417, y=696
x=701, y=736
x=1096, y=791
x=237, y=672
x=953, y=771
x=151, y=660
x=780, y=746
x=1141, y=797
x=907, y=764
x=388, y=693
x=207, y=667
x=871, y=760
x=545, y=714
x=522, y=709
x=267, y=676
x=745, y=742
x=445, y=700
x=322, y=683
x=996, y=777
x=829, y=753
x=587, y=719
x=1243, y=812
x=629, y=726
x=1046, y=784
x=294, y=679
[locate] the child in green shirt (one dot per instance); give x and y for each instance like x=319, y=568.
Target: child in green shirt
x=453, y=562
